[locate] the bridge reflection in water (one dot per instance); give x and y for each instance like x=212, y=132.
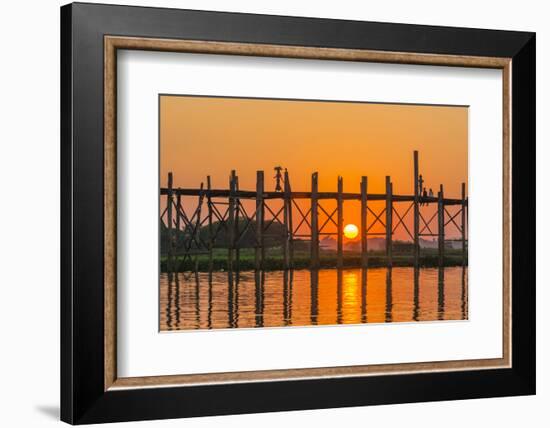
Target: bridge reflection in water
x=248, y=299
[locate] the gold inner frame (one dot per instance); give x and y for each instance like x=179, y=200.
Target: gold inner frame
x=113, y=43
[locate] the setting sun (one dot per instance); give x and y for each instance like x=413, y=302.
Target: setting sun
x=350, y=231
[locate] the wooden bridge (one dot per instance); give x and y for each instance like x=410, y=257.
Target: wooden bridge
x=225, y=206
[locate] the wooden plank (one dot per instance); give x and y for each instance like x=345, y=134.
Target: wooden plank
x=440, y=226
x=314, y=222
x=249, y=194
x=364, y=241
x=340, y=223
x=389, y=212
x=170, y=237
x=258, y=255
x=416, y=214
x=454, y=202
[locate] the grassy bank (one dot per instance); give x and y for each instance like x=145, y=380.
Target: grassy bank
x=274, y=259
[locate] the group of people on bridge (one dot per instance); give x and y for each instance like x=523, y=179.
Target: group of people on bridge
x=422, y=190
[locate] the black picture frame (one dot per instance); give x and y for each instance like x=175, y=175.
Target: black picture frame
x=83, y=398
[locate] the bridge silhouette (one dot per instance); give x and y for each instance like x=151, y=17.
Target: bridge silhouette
x=223, y=210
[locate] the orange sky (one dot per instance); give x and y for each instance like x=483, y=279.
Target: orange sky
x=202, y=136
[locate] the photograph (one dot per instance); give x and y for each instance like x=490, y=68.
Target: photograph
x=294, y=212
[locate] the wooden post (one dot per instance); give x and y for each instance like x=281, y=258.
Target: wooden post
x=197, y=300
x=339, y=296
x=314, y=305
x=463, y=295
x=169, y=202
x=389, y=295
x=463, y=224
x=170, y=301
x=236, y=228
x=416, y=232
x=231, y=222
x=314, y=222
x=288, y=243
x=364, y=241
x=363, y=295
x=210, y=231
x=178, y=217
x=177, y=299
x=236, y=298
x=197, y=230
x=389, y=212
x=440, y=226
x=290, y=221
x=340, y=209
x=258, y=257
x=416, y=294
x=230, y=300
x=259, y=277
x=441, y=293
x=176, y=232
x=287, y=296
x=209, y=312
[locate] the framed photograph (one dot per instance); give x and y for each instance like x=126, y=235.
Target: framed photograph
x=265, y=213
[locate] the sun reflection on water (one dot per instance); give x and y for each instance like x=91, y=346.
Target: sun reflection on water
x=249, y=299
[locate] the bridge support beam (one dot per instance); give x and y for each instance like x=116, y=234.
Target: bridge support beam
x=314, y=297
x=210, y=228
x=179, y=209
x=231, y=222
x=416, y=214
x=364, y=241
x=314, y=222
x=259, y=253
x=441, y=226
x=340, y=223
x=287, y=219
x=463, y=224
x=170, y=235
x=236, y=224
x=389, y=212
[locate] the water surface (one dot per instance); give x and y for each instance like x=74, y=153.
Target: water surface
x=248, y=299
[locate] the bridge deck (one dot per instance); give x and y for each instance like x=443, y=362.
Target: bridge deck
x=249, y=194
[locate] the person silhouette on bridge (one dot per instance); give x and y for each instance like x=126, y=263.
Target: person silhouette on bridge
x=278, y=178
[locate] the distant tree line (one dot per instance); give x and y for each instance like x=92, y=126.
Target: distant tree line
x=273, y=237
